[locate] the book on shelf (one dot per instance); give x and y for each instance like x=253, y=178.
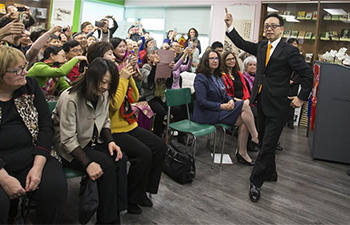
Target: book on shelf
x=343, y=17
x=308, y=57
x=324, y=35
x=301, y=34
x=327, y=17
x=301, y=15
x=313, y=37
x=308, y=16
x=286, y=34
x=345, y=35
x=334, y=35
x=308, y=35
x=294, y=34
x=286, y=13
x=314, y=15
x=335, y=17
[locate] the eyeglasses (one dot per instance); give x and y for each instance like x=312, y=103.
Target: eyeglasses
x=214, y=58
x=76, y=50
x=19, y=71
x=273, y=26
x=231, y=59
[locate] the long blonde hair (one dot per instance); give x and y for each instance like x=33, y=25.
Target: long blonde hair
x=9, y=57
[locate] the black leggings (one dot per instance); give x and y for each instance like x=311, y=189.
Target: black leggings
x=146, y=153
x=49, y=198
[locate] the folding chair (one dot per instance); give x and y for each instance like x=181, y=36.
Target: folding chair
x=182, y=96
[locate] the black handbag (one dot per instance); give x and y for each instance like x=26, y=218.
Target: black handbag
x=179, y=165
x=89, y=200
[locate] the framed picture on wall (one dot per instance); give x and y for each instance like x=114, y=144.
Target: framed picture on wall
x=41, y=13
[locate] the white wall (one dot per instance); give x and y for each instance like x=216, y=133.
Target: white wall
x=217, y=26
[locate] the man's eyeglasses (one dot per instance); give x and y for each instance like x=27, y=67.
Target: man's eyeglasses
x=273, y=26
x=214, y=58
x=19, y=71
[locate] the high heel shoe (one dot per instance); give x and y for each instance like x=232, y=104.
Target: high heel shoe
x=254, y=147
x=240, y=158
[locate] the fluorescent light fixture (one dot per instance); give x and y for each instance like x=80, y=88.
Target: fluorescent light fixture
x=335, y=11
x=269, y=9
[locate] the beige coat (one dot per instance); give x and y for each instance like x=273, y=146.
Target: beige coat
x=74, y=118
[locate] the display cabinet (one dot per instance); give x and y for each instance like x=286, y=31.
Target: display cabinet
x=318, y=26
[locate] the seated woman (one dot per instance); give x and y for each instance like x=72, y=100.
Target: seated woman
x=145, y=151
x=51, y=70
x=153, y=89
x=124, y=58
x=179, y=68
x=249, y=71
x=233, y=79
x=214, y=105
x=83, y=137
x=26, y=167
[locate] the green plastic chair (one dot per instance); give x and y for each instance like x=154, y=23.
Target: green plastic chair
x=182, y=96
x=69, y=173
x=225, y=127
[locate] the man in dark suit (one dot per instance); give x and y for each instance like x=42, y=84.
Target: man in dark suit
x=271, y=88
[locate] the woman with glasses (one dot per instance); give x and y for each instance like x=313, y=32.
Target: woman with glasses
x=26, y=168
x=51, y=70
x=214, y=105
x=233, y=79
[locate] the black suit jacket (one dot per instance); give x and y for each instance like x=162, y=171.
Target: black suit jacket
x=275, y=77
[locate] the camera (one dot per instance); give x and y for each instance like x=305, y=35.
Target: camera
x=64, y=29
x=99, y=23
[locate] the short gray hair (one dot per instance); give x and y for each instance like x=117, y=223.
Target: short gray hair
x=249, y=59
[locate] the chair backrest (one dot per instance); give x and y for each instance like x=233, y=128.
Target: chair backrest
x=175, y=97
x=52, y=105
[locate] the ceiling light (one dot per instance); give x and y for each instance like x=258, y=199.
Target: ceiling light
x=269, y=9
x=335, y=11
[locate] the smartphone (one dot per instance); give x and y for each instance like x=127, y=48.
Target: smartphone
x=190, y=45
x=82, y=66
x=21, y=8
x=129, y=59
x=20, y=17
x=99, y=23
x=136, y=51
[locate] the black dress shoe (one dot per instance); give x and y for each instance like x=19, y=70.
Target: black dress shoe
x=279, y=147
x=348, y=172
x=253, y=147
x=290, y=125
x=240, y=159
x=254, y=193
x=147, y=202
x=271, y=178
x=134, y=209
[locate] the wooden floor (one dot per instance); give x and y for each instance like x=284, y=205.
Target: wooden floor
x=307, y=192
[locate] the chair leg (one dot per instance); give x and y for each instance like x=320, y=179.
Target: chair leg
x=223, y=146
x=194, y=143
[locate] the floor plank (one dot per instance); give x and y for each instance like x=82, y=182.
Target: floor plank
x=307, y=192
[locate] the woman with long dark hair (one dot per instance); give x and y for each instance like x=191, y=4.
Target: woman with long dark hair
x=83, y=136
x=213, y=104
